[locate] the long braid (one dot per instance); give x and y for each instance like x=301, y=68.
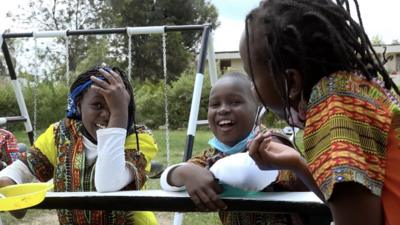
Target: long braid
x=317, y=37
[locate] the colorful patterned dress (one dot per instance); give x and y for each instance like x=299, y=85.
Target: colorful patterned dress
x=59, y=154
x=8, y=147
x=352, y=135
x=286, y=181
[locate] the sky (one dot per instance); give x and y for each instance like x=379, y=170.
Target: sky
x=380, y=19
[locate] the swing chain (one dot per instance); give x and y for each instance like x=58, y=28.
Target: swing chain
x=164, y=45
x=129, y=57
x=67, y=60
x=35, y=91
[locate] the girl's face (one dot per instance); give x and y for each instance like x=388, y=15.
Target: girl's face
x=231, y=111
x=267, y=92
x=94, y=112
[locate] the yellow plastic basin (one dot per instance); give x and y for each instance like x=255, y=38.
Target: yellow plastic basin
x=22, y=196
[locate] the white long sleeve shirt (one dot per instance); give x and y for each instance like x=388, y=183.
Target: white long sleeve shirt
x=112, y=174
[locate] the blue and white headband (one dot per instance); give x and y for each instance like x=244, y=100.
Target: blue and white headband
x=72, y=108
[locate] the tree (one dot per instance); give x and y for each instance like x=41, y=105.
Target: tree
x=146, y=50
x=11, y=44
x=61, y=15
x=377, y=40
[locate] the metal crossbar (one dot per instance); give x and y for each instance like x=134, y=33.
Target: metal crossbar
x=304, y=203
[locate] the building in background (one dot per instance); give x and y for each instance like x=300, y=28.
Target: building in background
x=230, y=60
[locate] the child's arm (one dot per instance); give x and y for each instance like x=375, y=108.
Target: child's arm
x=196, y=179
x=272, y=155
x=6, y=181
x=123, y=167
x=200, y=185
x=15, y=173
x=112, y=174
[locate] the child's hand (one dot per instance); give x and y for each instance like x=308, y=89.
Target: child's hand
x=202, y=187
x=272, y=155
x=115, y=95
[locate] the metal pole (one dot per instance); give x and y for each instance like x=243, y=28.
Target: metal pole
x=194, y=110
x=17, y=91
x=146, y=30
x=212, y=67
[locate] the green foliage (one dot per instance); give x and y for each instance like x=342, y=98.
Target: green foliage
x=51, y=103
x=149, y=104
x=149, y=99
x=147, y=50
x=96, y=54
x=180, y=97
x=377, y=40
x=8, y=101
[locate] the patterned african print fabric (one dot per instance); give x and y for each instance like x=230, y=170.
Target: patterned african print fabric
x=286, y=181
x=59, y=154
x=8, y=147
x=352, y=135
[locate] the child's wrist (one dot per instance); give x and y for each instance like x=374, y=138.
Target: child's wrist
x=177, y=175
x=300, y=164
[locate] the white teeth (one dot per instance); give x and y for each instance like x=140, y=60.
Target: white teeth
x=101, y=126
x=224, y=122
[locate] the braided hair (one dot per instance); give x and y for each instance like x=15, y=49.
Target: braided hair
x=315, y=37
x=85, y=76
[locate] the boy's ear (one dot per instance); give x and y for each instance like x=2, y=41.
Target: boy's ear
x=295, y=83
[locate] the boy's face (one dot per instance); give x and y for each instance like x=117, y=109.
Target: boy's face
x=231, y=110
x=94, y=112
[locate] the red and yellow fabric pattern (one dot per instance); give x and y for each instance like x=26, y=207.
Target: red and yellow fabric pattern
x=348, y=134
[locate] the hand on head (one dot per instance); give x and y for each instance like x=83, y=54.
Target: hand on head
x=115, y=95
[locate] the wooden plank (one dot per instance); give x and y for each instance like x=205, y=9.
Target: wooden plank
x=158, y=200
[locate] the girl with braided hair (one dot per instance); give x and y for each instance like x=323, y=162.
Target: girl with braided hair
x=314, y=66
x=97, y=147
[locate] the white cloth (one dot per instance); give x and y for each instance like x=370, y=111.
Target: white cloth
x=112, y=173
x=90, y=151
x=18, y=172
x=240, y=171
x=164, y=182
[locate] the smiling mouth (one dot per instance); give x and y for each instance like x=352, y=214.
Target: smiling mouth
x=225, y=123
x=101, y=126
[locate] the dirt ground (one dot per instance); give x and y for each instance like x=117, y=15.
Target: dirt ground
x=49, y=217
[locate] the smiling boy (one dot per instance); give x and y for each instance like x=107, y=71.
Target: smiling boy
x=232, y=111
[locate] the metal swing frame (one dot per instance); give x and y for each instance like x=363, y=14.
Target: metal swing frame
x=206, y=50
x=157, y=200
